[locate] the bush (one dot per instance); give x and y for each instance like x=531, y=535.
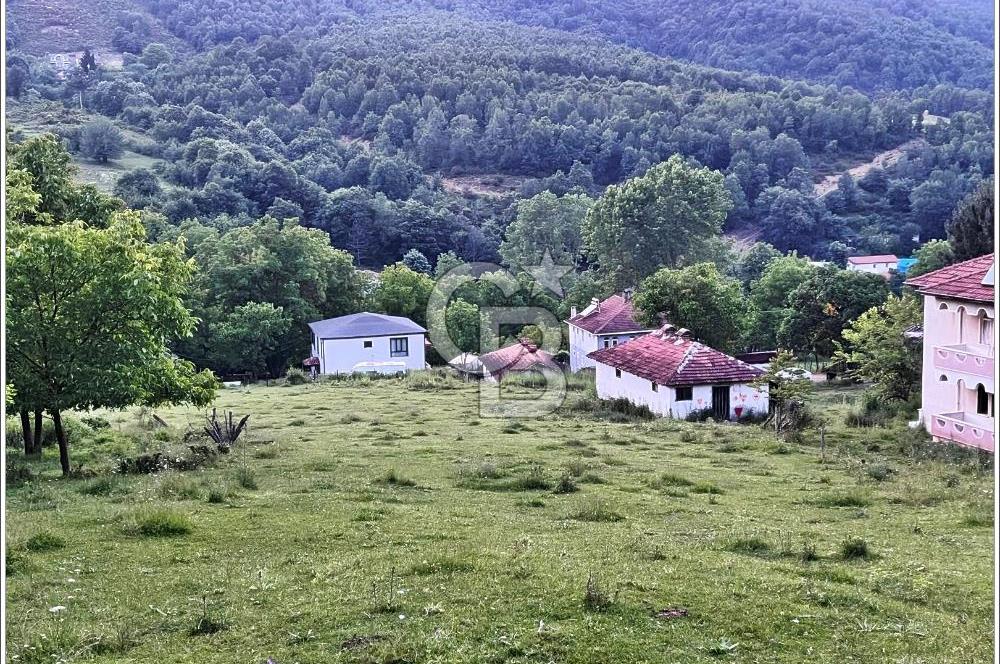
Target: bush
x=44, y=541
x=855, y=549
x=533, y=481
x=566, y=484
x=706, y=487
x=101, y=141
x=596, y=510
x=754, y=546
x=671, y=479
x=700, y=415
x=295, y=376
x=246, y=478
x=879, y=472
x=855, y=498
x=395, y=478
x=157, y=522
x=616, y=410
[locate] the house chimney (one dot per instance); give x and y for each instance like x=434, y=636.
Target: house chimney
x=685, y=333
x=627, y=294
x=572, y=312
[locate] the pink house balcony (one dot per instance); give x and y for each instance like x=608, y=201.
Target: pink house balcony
x=970, y=359
x=965, y=429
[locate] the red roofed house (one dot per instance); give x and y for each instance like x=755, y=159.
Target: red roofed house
x=883, y=265
x=525, y=355
x=603, y=324
x=674, y=375
x=957, y=385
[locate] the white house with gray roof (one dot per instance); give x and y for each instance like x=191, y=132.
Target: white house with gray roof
x=369, y=343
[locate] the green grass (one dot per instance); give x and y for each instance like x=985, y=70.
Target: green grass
x=320, y=562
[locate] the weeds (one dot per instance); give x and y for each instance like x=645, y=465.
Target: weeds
x=596, y=510
x=595, y=598
x=153, y=522
x=44, y=541
x=855, y=548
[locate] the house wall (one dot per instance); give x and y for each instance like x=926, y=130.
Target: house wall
x=581, y=342
x=949, y=386
x=743, y=398
x=343, y=355
x=881, y=269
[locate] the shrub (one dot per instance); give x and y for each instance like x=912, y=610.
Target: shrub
x=577, y=467
x=295, y=376
x=157, y=522
x=96, y=423
x=246, y=478
x=616, y=410
x=534, y=480
x=17, y=471
x=395, y=478
x=706, y=487
x=595, y=598
x=855, y=548
x=671, y=479
x=596, y=510
x=879, y=472
x=566, y=484
x=700, y=415
x=177, y=487
x=44, y=541
x=217, y=495
x=105, y=485
x=753, y=545
x=688, y=437
x=853, y=498
x=809, y=553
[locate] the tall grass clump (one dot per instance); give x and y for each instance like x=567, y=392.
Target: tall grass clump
x=157, y=522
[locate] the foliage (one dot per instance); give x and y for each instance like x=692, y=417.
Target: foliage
x=934, y=255
x=970, y=230
x=100, y=141
x=463, y=321
x=785, y=390
x=769, y=298
x=546, y=223
x=875, y=343
x=699, y=298
x=403, y=292
x=416, y=261
x=662, y=218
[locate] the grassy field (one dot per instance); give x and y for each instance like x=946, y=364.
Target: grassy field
x=386, y=522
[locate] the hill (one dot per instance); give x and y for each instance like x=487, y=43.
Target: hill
x=384, y=521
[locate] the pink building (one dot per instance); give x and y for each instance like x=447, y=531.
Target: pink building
x=957, y=390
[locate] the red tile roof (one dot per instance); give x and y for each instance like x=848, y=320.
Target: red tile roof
x=612, y=316
x=962, y=281
x=667, y=359
x=521, y=356
x=867, y=260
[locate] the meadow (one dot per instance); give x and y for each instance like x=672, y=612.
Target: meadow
x=386, y=521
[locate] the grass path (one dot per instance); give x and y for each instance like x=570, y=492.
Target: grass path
x=394, y=525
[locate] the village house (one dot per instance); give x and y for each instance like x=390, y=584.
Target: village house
x=957, y=386
x=883, y=264
x=602, y=324
x=674, y=375
x=520, y=357
x=369, y=343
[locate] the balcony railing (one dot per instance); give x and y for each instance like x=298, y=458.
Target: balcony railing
x=964, y=429
x=964, y=358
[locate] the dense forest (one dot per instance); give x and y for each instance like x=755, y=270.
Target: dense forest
x=358, y=119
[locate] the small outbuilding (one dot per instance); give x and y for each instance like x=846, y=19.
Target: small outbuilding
x=674, y=375
x=369, y=343
x=523, y=356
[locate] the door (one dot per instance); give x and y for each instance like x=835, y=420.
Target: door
x=720, y=402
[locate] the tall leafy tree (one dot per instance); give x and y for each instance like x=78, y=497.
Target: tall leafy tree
x=769, y=298
x=546, y=222
x=403, y=292
x=970, y=229
x=662, y=218
x=699, y=298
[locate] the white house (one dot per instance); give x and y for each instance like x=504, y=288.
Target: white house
x=673, y=375
x=366, y=342
x=603, y=324
x=883, y=264
x=957, y=386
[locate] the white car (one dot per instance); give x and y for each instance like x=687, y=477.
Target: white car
x=795, y=373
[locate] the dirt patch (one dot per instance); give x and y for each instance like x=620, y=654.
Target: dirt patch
x=671, y=613
x=483, y=185
x=881, y=160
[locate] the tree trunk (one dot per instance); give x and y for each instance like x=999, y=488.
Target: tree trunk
x=37, y=447
x=26, y=431
x=61, y=437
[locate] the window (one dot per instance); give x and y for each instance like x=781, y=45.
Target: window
x=614, y=342
x=684, y=393
x=986, y=330
x=983, y=400
x=399, y=346
x=655, y=387
x=607, y=343
x=368, y=344
x=618, y=373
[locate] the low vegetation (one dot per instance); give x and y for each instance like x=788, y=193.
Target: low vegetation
x=569, y=538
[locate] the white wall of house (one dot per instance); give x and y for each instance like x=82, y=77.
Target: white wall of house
x=582, y=342
x=337, y=356
x=881, y=269
x=743, y=398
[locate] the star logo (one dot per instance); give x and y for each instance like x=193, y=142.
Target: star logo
x=548, y=275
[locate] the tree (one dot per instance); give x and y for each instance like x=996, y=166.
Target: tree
x=785, y=388
x=403, y=292
x=821, y=306
x=101, y=141
x=446, y=262
x=18, y=75
x=139, y=188
x=252, y=335
x=93, y=332
x=662, y=218
x=698, y=298
x=933, y=255
x=752, y=262
x=546, y=222
x=416, y=261
x=877, y=345
x=462, y=320
x=769, y=298
x=970, y=229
